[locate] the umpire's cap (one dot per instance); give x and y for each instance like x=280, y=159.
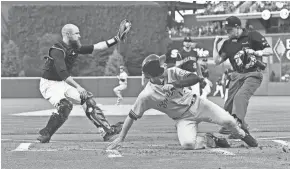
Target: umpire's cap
x=232, y=22
x=151, y=66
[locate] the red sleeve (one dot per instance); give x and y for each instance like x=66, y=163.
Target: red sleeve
x=86, y=49
x=59, y=63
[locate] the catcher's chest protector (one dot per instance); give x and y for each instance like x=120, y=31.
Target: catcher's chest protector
x=70, y=56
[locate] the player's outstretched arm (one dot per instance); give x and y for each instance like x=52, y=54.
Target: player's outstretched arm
x=126, y=127
x=140, y=106
x=124, y=29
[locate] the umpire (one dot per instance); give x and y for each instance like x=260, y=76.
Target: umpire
x=245, y=50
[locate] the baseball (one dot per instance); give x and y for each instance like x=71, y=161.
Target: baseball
x=127, y=24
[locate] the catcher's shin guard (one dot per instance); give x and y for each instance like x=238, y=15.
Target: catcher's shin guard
x=95, y=114
x=55, y=121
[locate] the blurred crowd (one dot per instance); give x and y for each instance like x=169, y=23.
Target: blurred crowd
x=225, y=7
x=260, y=6
x=210, y=29
x=221, y=7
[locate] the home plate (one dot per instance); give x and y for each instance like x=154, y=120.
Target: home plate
x=113, y=153
x=109, y=110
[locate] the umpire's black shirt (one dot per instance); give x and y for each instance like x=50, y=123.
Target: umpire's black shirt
x=251, y=39
x=60, y=60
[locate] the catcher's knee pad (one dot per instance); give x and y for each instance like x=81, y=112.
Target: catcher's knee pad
x=64, y=108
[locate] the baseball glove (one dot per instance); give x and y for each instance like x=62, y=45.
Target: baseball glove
x=124, y=28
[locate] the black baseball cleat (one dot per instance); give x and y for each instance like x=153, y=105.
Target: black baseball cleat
x=44, y=136
x=116, y=129
x=43, y=139
x=213, y=141
x=250, y=141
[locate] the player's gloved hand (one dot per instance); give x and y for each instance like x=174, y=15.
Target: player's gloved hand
x=83, y=93
x=116, y=144
x=168, y=87
x=124, y=29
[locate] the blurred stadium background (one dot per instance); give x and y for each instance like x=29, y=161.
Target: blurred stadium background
x=30, y=28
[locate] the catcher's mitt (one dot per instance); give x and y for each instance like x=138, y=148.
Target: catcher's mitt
x=124, y=28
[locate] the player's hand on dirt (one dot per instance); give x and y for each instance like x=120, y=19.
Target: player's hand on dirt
x=168, y=88
x=116, y=144
x=83, y=93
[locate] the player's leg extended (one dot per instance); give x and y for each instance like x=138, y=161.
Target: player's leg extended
x=94, y=114
x=118, y=90
x=189, y=140
x=216, y=91
x=187, y=135
x=234, y=86
x=54, y=92
x=242, y=97
x=211, y=112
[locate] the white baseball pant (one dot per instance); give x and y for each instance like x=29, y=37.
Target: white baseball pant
x=203, y=110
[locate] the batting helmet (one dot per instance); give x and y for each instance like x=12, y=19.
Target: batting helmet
x=151, y=66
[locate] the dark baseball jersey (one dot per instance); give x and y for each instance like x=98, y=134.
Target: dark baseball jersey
x=61, y=59
x=204, y=71
x=253, y=40
x=188, y=59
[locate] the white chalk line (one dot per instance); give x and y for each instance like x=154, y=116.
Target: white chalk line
x=223, y=152
x=284, y=143
x=23, y=147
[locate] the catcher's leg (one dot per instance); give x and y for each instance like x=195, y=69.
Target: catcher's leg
x=96, y=115
x=56, y=120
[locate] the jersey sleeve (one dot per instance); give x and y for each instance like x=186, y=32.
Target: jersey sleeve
x=258, y=41
x=140, y=106
x=222, y=50
x=86, y=49
x=181, y=74
x=59, y=63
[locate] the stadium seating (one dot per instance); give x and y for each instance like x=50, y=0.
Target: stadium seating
x=225, y=7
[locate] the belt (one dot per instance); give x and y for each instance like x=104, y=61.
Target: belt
x=193, y=100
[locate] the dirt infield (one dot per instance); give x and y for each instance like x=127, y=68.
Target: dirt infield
x=151, y=143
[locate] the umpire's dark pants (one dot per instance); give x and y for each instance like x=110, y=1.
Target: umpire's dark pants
x=242, y=87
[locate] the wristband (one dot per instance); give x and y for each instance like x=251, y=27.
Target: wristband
x=112, y=42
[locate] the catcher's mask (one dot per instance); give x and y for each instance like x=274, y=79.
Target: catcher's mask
x=151, y=66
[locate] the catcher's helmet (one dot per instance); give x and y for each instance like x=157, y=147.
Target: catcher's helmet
x=151, y=66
